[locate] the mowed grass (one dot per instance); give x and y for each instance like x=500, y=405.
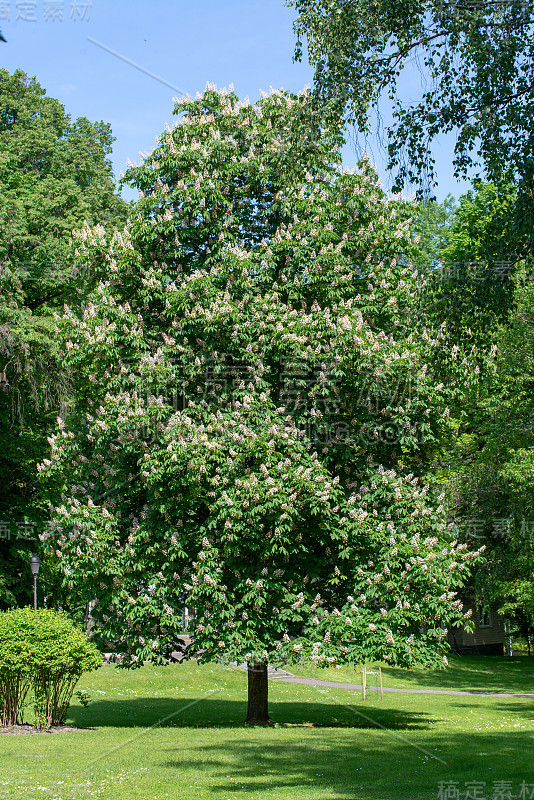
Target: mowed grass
x=177, y=732
x=464, y=673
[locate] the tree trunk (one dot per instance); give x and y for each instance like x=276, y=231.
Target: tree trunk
x=508, y=650
x=258, y=689
x=89, y=619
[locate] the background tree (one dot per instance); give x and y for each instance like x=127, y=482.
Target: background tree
x=431, y=223
x=484, y=296
x=473, y=286
x=54, y=174
x=496, y=489
x=477, y=61
x=244, y=412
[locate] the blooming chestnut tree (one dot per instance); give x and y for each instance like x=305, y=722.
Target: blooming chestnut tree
x=255, y=413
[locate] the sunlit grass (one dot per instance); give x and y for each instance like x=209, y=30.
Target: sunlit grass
x=464, y=673
x=327, y=744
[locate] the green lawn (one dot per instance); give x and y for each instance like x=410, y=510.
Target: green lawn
x=327, y=745
x=464, y=673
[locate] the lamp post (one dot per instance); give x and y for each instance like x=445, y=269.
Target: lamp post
x=35, y=563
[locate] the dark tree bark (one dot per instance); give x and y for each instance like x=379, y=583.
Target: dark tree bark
x=258, y=690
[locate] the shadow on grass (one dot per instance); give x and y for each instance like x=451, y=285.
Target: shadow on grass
x=210, y=712
x=337, y=764
x=471, y=673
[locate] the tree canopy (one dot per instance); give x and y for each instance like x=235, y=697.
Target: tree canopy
x=493, y=498
x=477, y=65
x=54, y=174
x=485, y=297
x=249, y=390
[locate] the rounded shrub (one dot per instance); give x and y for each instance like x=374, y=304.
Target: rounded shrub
x=44, y=651
x=15, y=677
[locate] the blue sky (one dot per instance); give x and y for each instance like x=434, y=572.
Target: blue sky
x=245, y=42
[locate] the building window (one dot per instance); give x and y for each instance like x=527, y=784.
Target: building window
x=485, y=619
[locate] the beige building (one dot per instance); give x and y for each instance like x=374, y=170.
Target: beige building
x=487, y=638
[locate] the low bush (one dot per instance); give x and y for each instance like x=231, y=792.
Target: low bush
x=43, y=651
x=15, y=676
